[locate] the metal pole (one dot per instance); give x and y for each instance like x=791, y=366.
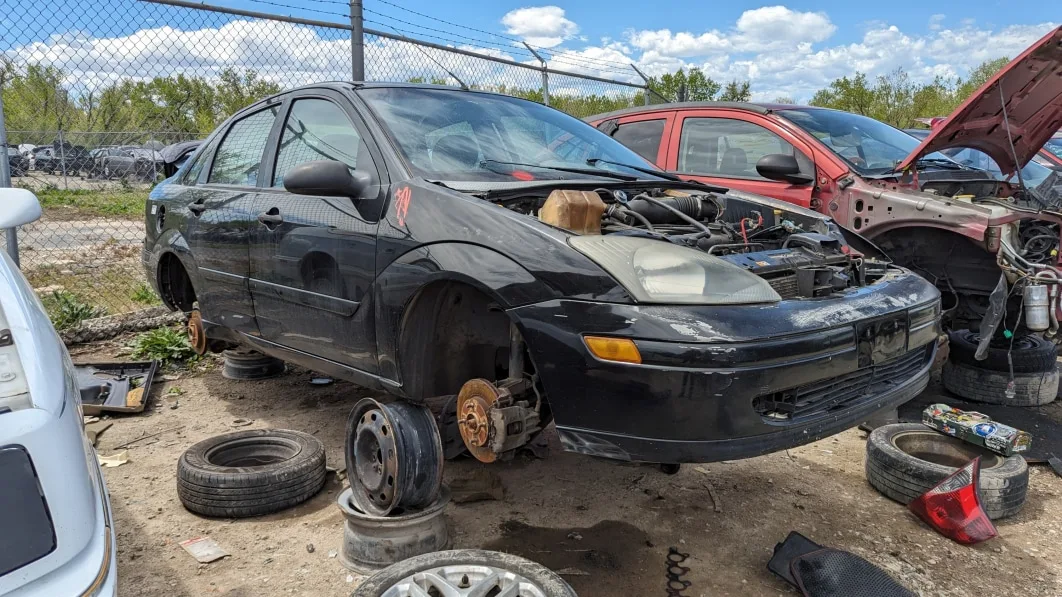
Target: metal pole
x=5, y=181
x=357, y=41
x=646, y=79
x=62, y=158
x=545, y=73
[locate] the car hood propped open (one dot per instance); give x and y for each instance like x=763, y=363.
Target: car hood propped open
x=1032, y=88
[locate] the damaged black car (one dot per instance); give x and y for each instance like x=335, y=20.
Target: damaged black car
x=494, y=265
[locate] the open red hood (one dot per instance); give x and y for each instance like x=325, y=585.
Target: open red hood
x=1032, y=88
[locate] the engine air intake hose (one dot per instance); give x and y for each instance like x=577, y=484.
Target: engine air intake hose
x=695, y=207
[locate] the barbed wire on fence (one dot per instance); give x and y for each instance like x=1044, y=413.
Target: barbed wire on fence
x=93, y=90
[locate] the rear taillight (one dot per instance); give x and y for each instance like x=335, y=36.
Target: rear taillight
x=953, y=507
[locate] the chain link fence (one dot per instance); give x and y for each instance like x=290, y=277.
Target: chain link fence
x=94, y=90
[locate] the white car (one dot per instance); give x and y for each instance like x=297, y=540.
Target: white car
x=56, y=529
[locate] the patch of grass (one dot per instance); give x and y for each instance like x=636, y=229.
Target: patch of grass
x=67, y=309
x=169, y=345
x=144, y=295
x=124, y=201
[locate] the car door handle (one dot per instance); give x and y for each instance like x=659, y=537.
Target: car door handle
x=197, y=208
x=271, y=217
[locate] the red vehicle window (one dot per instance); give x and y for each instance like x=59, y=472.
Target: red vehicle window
x=730, y=148
x=643, y=136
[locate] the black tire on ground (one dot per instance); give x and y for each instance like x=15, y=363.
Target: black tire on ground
x=548, y=582
x=981, y=385
x=905, y=460
x=250, y=473
x=1031, y=354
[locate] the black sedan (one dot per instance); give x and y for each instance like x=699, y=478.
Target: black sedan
x=432, y=242
x=17, y=162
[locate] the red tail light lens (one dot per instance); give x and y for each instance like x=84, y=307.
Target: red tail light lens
x=953, y=507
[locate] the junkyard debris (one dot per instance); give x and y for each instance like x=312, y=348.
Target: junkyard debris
x=322, y=381
x=310, y=548
x=819, y=571
x=204, y=549
x=148, y=436
x=977, y=429
x=114, y=460
x=95, y=428
x=572, y=572
x=240, y=422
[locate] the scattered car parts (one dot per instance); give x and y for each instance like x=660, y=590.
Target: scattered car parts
x=464, y=573
x=675, y=571
x=818, y=571
x=250, y=473
x=394, y=456
x=997, y=387
x=953, y=507
x=977, y=428
x=374, y=542
x=115, y=387
x=905, y=460
x=248, y=365
x=1024, y=354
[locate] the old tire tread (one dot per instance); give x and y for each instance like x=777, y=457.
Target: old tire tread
x=903, y=478
x=1042, y=356
x=982, y=385
x=236, y=492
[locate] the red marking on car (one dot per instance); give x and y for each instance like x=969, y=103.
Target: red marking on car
x=522, y=175
x=402, y=197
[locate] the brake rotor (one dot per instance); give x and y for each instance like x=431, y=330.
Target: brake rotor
x=474, y=402
x=196, y=334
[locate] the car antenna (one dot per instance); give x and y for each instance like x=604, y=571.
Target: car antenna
x=439, y=64
x=1006, y=123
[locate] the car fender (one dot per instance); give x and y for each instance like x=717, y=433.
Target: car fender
x=172, y=241
x=502, y=279
x=872, y=210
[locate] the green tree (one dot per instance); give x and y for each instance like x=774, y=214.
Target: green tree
x=737, y=91
x=679, y=86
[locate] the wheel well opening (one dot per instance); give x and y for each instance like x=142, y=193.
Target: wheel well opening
x=452, y=332
x=175, y=286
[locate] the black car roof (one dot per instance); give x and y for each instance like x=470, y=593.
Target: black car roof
x=757, y=107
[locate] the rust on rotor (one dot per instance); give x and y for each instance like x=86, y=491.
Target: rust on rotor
x=474, y=403
x=196, y=334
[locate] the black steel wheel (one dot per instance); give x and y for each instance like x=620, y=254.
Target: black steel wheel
x=394, y=456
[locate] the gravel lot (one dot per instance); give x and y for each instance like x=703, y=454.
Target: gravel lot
x=609, y=523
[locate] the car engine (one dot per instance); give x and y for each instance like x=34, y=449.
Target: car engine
x=800, y=253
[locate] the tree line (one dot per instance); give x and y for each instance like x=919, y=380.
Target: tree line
x=37, y=99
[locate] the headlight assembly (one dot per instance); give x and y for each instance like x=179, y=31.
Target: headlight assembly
x=658, y=272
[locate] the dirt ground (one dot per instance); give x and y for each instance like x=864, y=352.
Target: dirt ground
x=608, y=524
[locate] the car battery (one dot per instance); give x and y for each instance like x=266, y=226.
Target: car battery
x=976, y=428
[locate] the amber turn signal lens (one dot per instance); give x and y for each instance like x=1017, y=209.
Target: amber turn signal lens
x=622, y=350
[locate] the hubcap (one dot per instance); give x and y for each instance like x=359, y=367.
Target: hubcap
x=465, y=580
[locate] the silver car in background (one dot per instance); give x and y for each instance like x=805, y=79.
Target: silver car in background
x=56, y=529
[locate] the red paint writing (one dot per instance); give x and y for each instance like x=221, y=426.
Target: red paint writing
x=402, y=197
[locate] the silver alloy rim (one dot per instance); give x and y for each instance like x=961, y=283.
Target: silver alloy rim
x=465, y=580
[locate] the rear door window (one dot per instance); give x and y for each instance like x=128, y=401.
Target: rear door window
x=643, y=136
x=239, y=157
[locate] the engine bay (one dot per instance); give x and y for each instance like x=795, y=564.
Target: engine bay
x=800, y=253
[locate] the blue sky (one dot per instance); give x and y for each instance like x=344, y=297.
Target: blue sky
x=785, y=49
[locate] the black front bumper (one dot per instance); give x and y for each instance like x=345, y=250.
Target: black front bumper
x=720, y=383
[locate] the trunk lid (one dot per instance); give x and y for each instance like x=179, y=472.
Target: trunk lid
x=1032, y=91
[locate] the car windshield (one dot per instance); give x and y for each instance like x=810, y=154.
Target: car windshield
x=12, y=151
x=1033, y=174
x=1054, y=145
x=465, y=136
x=869, y=146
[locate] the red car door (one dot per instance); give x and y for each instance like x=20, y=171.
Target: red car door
x=721, y=147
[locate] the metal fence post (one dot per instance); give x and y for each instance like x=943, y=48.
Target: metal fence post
x=5, y=181
x=62, y=158
x=646, y=79
x=545, y=73
x=357, y=41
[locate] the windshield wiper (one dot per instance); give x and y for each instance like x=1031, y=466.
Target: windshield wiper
x=949, y=164
x=660, y=173
x=587, y=171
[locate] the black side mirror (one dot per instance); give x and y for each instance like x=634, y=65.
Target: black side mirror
x=782, y=167
x=327, y=178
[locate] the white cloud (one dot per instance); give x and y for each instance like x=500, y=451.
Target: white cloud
x=540, y=25
x=773, y=24
x=935, y=22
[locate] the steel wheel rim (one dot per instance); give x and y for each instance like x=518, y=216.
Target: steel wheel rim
x=465, y=580
x=376, y=459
